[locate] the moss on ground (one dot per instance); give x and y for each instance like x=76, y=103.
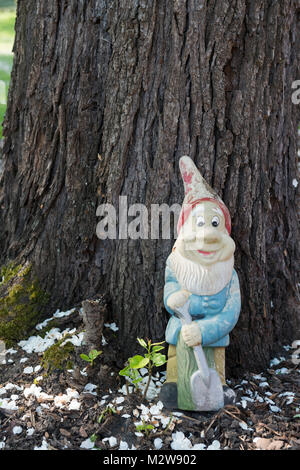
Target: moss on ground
x=21, y=303
x=58, y=356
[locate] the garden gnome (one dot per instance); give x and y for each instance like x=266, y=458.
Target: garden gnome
x=199, y=273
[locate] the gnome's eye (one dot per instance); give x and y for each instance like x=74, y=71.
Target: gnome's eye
x=200, y=221
x=215, y=221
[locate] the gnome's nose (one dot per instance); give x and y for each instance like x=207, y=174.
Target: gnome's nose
x=210, y=237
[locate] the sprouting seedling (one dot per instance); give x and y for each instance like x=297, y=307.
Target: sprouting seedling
x=109, y=411
x=93, y=437
x=144, y=428
x=91, y=357
x=152, y=358
x=131, y=374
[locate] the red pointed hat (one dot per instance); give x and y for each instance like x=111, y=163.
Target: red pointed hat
x=196, y=191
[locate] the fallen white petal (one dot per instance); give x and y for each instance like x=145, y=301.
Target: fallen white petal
x=112, y=326
x=87, y=444
x=215, y=445
x=90, y=388
x=11, y=351
x=180, y=442
x=283, y=370
x=17, y=430
x=154, y=410
x=119, y=400
x=243, y=426
x=44, y=446
x=264, y=384
x=74, y=405
x=158, y=443
x=275, y=409
x=111, y=440
x=123, y=446
x=199, y=447
x=8, y=405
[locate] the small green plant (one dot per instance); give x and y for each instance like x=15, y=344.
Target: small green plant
x=152, y=358
x=109, y=411
x=93, y=437
x=93, y=354
x=146, y=428
x=132, y=374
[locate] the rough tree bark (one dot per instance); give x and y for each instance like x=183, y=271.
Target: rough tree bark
x=142, y=83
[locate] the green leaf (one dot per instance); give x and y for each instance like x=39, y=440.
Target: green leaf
x=94, y=354
x=136, y=381
x=296, y=416
x=149, y=426
x=142, y=343
x=125, y=371
x=85, y=357
x=134, y=373
x=137, y=362
x=159, y=359
x=157, y=348
x=157, y=344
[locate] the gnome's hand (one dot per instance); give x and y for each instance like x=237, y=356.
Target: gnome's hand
x=191, y=334
x=178, y=299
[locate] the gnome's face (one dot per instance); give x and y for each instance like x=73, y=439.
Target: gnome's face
x=204, y=238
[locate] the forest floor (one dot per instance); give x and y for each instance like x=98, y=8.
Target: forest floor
x=88, y=407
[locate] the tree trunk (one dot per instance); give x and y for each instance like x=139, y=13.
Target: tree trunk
x=105, y=97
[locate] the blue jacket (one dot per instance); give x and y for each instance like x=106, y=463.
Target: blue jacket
x=220, y=311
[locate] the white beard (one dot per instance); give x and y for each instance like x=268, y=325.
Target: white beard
x=198, y=279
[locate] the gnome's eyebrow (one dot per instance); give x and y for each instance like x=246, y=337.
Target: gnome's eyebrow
x=218, y=210
x=201, y=209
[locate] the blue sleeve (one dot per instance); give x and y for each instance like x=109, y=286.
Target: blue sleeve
x=171, y=286
x=215, y=328
x=174, y=325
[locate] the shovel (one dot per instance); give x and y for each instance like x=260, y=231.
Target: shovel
x=206, y=386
